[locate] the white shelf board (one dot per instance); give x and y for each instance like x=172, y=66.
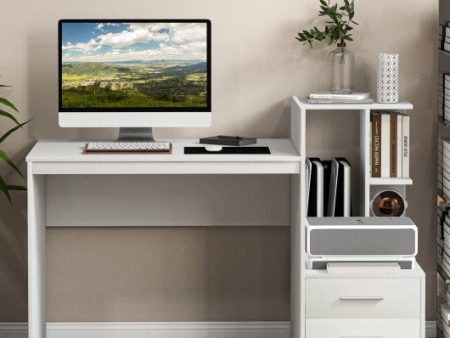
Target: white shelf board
x=390, y=181
x=356, y=106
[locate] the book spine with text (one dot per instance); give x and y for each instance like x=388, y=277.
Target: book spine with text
x=405, y=146
x=393, y=172
x=385, y=145
x=376, y=144
x=399, y=146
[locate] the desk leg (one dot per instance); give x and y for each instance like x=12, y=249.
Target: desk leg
x=297, y=259
x=36, y=255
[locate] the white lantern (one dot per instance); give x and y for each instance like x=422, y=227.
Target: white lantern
x=387, y=78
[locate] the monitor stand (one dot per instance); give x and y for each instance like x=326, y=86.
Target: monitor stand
x=136, y=134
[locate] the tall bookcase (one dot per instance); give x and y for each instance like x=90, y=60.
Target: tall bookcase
x=443, y=200
x=312, y=315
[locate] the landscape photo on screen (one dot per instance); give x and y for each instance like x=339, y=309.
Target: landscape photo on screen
x=133, y=65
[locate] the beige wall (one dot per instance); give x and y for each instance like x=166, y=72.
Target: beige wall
x=257, y=65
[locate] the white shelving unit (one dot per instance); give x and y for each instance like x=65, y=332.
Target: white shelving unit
x=368, y=185
x=312, y=315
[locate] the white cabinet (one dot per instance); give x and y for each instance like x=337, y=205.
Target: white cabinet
x=366, y=305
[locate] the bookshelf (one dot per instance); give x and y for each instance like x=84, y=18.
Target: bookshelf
x=442, y=200
x=306, y=324
x=368, y=186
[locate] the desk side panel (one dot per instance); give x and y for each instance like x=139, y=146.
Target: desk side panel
x=36, y=255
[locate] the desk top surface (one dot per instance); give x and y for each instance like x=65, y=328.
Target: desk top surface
x=282, y=150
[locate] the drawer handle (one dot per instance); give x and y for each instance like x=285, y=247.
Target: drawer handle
x=361, y=337
x=362, y=298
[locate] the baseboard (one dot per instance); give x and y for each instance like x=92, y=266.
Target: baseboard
x=155, y=330
x=165, y=330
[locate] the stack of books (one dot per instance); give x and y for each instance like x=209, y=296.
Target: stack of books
x=441, y=95
x=443, y=267
x=328, y=187
x=444, y=320
x=444, y=36
x=444, y=96
x=389, y=144
x=445, y=163
x=440, y=176
x=443, y=238
x=443, y=242
x=335, y=98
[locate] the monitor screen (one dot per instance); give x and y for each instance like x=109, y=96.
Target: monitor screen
x=134, y=65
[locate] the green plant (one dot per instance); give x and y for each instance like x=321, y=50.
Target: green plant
x=337, y=28
x=4, y=106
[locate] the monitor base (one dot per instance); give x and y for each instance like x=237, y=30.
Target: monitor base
x=136, y=134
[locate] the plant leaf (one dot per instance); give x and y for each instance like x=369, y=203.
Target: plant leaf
x=8, y=115
x=7, y=103
x=6, y=158
x=12, y=130
x=4, y=189
x=16, y=187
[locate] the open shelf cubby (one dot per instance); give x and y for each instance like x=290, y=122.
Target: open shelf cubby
x=366, y=186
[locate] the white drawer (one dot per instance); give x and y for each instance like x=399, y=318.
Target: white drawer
x=363, y=328
x=362, y=298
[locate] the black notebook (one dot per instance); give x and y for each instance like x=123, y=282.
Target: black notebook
x=339, y=198
x=315, y=186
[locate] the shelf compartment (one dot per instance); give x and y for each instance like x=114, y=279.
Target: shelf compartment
x=390, y=181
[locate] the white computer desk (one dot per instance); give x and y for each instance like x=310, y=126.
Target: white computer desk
x=60, y=178
x=49, y=159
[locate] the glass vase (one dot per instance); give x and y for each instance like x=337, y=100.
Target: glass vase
x=342, y=64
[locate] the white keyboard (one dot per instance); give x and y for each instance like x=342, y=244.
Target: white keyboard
x=128, y=147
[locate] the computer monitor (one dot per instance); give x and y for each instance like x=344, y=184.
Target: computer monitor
x=134, y=74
